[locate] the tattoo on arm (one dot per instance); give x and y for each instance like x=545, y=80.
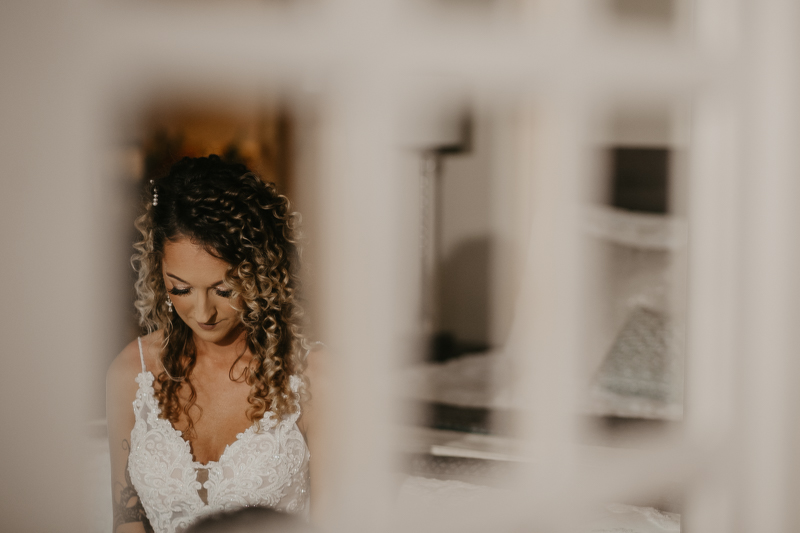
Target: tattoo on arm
x=128, y=508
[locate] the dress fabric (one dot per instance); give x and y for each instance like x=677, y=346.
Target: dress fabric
x=262, y=467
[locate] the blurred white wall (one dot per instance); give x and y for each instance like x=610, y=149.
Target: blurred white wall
x=53, y=266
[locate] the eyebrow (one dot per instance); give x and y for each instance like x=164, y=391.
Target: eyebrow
x=186, y=282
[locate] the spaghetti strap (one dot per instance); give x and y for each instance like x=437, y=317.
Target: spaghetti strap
x=141, y=354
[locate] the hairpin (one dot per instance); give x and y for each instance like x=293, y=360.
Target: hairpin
x=155, y=194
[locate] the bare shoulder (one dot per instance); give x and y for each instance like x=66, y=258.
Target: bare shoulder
x=317, y=374
x=318, y=371
x=318, y=362
x=124, y=367
x=128, y=364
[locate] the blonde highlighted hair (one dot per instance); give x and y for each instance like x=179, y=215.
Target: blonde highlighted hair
x=242, y=220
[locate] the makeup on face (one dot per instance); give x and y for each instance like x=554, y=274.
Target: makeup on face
x=194, y=280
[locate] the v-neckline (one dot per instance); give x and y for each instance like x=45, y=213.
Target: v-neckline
x=179, y=434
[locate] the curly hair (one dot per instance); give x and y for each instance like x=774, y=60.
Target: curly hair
x=238, y=218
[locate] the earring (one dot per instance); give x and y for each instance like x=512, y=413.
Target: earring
x=169, y=304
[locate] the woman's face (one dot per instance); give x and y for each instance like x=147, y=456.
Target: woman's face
x=193, y=279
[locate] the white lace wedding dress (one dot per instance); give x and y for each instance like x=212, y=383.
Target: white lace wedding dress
x=266, y=466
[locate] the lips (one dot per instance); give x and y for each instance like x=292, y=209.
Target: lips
x=207, y=327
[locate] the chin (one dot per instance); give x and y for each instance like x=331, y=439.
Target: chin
x=215, y=335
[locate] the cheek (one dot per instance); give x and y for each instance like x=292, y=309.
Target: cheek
x=181, y=304
x=228, y=311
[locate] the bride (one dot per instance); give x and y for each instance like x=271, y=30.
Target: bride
x=211, y=410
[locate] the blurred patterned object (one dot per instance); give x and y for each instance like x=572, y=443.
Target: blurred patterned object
x=640, y=376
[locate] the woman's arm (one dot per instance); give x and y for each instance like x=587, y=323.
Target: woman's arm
x=129, y=516
x=315, y=423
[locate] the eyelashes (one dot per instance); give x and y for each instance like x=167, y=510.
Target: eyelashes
x=178, y=292
x=182, y=292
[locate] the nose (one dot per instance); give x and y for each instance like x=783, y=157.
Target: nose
x=205, y=312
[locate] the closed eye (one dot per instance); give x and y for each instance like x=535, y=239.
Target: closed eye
x=178, y=292
x=223, y=293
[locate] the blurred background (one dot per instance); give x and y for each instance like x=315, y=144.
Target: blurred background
x=551, y=245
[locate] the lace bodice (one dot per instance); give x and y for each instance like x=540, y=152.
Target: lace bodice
x=267, y=467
